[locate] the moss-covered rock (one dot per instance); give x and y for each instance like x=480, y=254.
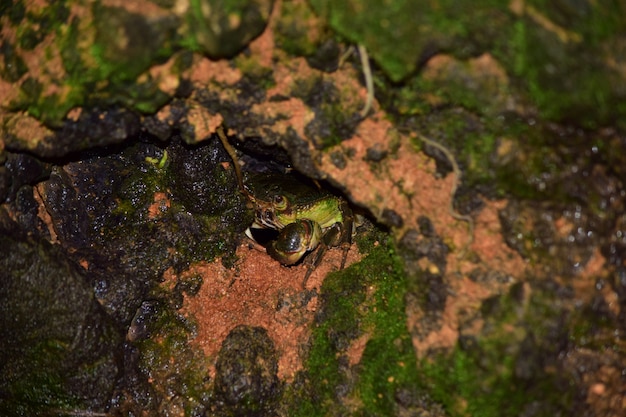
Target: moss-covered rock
x=134, y=195
x=542, y=46
x=58, y=349
x=221, y=29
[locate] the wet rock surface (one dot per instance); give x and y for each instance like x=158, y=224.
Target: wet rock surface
x=92, y=202
x=59, y=348
x=117, y=220
x=488, y=277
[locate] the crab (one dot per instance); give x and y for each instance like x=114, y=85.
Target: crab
x=307, y=218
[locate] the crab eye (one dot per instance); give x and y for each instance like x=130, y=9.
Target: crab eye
x=280, y=202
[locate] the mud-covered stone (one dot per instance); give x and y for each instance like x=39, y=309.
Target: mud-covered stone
x=246, y=381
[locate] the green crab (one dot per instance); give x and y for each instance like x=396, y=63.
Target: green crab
x=306, y=217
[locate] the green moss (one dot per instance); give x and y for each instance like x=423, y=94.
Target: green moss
x=293, y=31
x=40, y=22
x=35, y=25
x=471, y=142
x=594, y=21
x=555, y=93
x=506, y=368
x=222, y=29
x=37, y=385
x=177, y=371
x=334, y=121
x=388, y=30
x=397, y=34
x=388, y=362
x=126, y=44
x=258, y=74
x=366, y=298
x=28, y=37
x=135, y=194
x=14, y=66
x=565, y=89
x=541, y=48
x=512, y=156
x=47, y=362
x=14, y=10
x=103, y=71
x=458, y=382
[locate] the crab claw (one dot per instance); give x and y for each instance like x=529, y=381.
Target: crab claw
x=294, y=240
